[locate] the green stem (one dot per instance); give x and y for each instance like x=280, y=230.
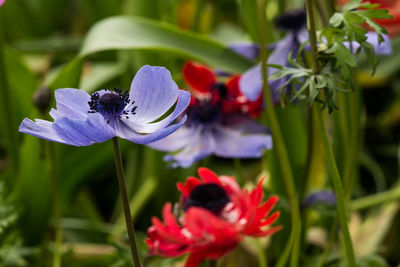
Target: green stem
x=239, y=171
x=197, y=15
x=337, y=184
x=262, y=258
x=331, y=239
x=376, y=199
x=125, y=202
x=294, y=242
x=58, y=240
x=332, y=167
x=8, y=125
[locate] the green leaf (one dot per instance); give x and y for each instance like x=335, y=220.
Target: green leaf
x=336, y=19
x=124, y=33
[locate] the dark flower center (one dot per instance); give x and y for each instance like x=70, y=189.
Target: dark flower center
x=111, y=105
x=291, y=21
x=204, y=112
x=220, y=89
x=209, y=196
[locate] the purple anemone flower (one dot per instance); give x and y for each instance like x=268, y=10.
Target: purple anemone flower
x=251, y=81
x=215, y=124
x=82, y=119
x=205, y=133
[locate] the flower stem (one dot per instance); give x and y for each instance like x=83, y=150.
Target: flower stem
x=58, y=240
x=332, y=167
x=125, y=202
x=7, y=122
x=294, y=241
x=376, y=199
x=239, y=171
x=337, y=184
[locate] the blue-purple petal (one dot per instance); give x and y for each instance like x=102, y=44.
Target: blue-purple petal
x=250, y=83
x=71, y=103
x=154, y=92
x=83, y=132
x=126, y=130
x=248, y=50
x=232, y=143
x=182, y=104
x=42, y=129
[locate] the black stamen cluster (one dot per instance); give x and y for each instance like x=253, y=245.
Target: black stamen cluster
x=292, y=21
x=209, y=196
x=111, y=104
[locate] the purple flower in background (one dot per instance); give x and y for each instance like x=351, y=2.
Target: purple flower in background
x=207, y=134
x=215, y=124
x=2, y=2
x=82, y=119
x=321, y=197
x=251, y=81
x=384, y=48
x=246, y=49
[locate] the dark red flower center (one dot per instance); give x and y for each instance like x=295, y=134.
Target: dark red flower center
x=291, y=21
x=209, y=196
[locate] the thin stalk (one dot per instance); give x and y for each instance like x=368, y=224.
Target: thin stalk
x=376, y=199
x=294, y=242
x=239, y=171
x=6, y=109
x=331, y=239
x=332, y=167
x=261, y=255
x=337, y=184
x=197, y=15
x=58, y=240
x=125, y=202
x=354, y=144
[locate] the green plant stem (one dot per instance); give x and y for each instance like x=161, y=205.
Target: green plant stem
x=197, y=15
x=376, y=199
x=294, y=243
x=239, y=171
x=337, y=185
x=125, y=202
x=6, y=109
x=331, y=239
x=332, y=167
x=58, y=240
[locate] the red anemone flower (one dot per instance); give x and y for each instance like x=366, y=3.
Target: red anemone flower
x=217, y=215
x=204, y=84
x=392, y=25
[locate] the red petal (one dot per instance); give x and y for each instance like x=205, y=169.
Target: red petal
x=198, y=77
x=208, y=176
x=233, y=86
x=270, y=231
x=267, y=206
x=257, y=193
x=168, y=217
x=194, y=260
x=191, y=182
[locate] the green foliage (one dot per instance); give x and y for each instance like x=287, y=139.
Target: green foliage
x=336, y=59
